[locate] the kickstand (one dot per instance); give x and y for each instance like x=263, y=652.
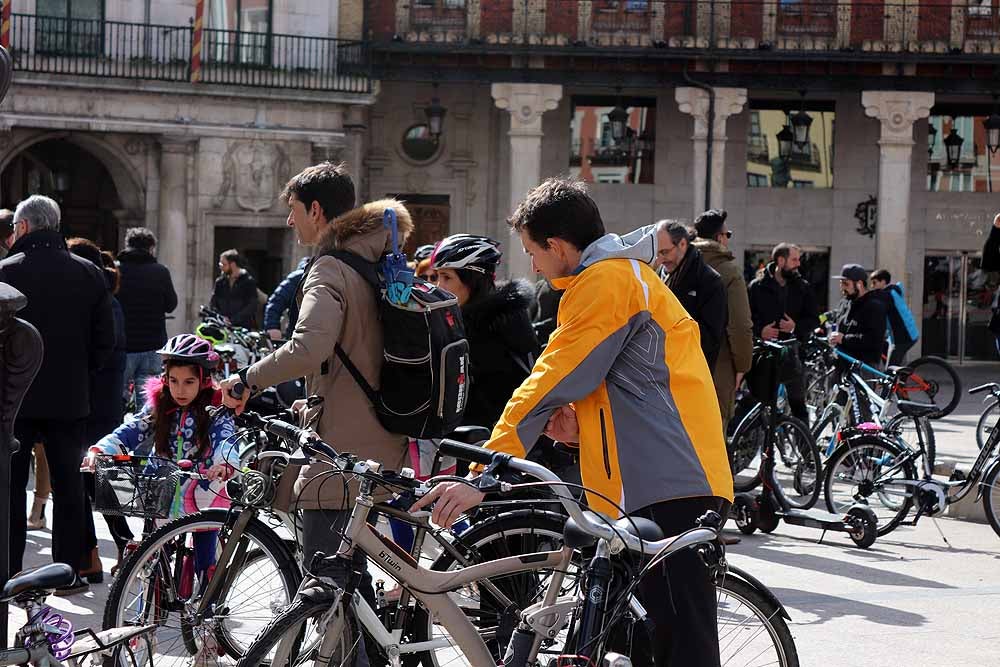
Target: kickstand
x=941, y=532
x=821, y=536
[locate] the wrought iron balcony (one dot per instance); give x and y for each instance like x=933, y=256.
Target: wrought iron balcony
x=925, y=26
x=113, y=49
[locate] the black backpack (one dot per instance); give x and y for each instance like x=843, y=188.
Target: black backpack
x=425, y=372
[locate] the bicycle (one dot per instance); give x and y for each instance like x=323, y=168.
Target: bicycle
x=325, y=624
x=872, y=469
x=49, y=640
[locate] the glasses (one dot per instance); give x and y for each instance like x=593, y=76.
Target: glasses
x=729, y=234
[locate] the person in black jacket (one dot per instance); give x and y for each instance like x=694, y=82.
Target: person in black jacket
x=282, y=300
x=783, y=307
x=70, y=305
x=502, y=342
x=106, y=406
x=235, y=293
x=146, y=296
x=696, y=285
x=861, y=331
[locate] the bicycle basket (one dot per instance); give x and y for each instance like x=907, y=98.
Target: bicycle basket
x=135, y=486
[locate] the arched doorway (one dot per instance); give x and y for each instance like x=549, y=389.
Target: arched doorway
x=75, y=178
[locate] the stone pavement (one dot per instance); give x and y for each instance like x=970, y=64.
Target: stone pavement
x=911, y=599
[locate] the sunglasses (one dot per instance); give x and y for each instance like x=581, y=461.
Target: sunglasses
x=729, y=233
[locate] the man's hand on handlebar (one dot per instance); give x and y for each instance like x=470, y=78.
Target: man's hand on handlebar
x=237, y=404
x=452, y=500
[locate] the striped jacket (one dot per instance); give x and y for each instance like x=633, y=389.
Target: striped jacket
x=627, y=355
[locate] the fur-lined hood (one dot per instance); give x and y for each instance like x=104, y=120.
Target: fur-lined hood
x=361, y=231
x=502, y=313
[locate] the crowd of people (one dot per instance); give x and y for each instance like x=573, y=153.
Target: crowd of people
x=629, y=350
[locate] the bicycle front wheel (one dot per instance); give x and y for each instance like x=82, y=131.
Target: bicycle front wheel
x=295, y=639
x=162, y=581
x=935, y=381
x=797, y=466
x=751, y=628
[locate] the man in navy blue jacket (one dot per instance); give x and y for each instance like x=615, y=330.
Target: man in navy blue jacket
x=283, y=299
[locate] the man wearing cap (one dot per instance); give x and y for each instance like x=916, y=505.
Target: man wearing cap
x=861, y=331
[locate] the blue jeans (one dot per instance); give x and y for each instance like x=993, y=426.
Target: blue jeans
x=139, y=367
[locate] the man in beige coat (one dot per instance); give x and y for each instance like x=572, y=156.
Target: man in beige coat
x=336, y=305
x=736, y=350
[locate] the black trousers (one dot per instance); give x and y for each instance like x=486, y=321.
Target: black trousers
x=64, y=448
x=679, y=594
x=795, y=389
x=899, y=354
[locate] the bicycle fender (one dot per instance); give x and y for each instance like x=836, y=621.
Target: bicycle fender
x=754, y=583
x=985, y=476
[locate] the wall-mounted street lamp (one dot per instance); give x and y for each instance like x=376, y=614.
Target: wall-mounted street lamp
x=435, y=115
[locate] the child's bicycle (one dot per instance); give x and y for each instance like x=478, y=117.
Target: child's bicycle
x=48, y=639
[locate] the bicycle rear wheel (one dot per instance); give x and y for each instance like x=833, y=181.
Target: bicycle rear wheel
x=161, y=583
x=745, y=447
x=867, y=470
x=935, y=381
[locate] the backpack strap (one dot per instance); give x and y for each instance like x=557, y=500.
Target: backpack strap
x=369, y=272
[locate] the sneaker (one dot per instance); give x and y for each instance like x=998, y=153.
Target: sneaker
x=78, y=586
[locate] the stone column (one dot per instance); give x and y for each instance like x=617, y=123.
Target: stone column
x=526, y=103
x=896, y=111
x=694, y=101
x=172, y=246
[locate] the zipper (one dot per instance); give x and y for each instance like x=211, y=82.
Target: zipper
x=604, y=440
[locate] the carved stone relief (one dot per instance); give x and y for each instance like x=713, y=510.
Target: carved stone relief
x=253, y=171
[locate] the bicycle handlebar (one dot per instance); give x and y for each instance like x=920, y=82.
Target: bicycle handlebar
x=590, y=522
x=992, y=386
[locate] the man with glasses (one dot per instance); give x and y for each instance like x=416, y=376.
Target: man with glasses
x=736, y=347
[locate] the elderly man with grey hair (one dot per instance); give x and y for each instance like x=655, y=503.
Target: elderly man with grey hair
x=70, y=305
x=695, y=284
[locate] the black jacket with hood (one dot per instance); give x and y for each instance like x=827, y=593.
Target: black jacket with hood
x=863, y=328
x=700, y=290
x=770, y=301
x=502, y=350
x=237, y=300
x=146, y=295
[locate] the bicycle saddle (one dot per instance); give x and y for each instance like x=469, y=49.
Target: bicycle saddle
x=38, y=582
x=470, y=435
x=914, y=409
x=644, y=529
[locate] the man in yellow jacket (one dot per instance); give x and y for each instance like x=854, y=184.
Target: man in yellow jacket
x=622, y=375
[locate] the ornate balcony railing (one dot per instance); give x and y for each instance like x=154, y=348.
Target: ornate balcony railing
x=113, y=49
x=925, y=26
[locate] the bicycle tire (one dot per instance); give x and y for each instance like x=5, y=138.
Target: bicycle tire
x=825, y=433
x=769, y=615
x=799, y=476
x=301, y=611
x=921, y=426
x=936, y=388
x=263, y=540
x=987, y=421
x=991, y=504
x=745, y=447
x=861, y=454
x=528, y=531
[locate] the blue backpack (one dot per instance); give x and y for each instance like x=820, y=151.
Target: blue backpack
x=903, y=322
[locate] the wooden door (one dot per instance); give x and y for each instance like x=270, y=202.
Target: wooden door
x=431, y=217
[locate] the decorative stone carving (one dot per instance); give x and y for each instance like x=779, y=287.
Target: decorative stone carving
x=328, y=153
x=526, y=103
x=897, y=111
x=417, y=181
x=136, y=146
x=253, y=171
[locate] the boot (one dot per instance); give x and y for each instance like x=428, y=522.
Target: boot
x=36, y=520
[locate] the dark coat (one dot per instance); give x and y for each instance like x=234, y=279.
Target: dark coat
x=107, y=386
x=283, y=299
x=701, y=291
x=864, y=328
x=70, y=305
x=991, y=251
x=770, y=301
x=146, y=295
x=544, y=308
x=237, y=301
x=502, y=350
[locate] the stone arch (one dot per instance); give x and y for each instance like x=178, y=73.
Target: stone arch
x=131, y=190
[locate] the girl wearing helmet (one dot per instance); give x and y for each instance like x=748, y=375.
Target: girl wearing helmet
x=502, y=342
x=174, y=424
